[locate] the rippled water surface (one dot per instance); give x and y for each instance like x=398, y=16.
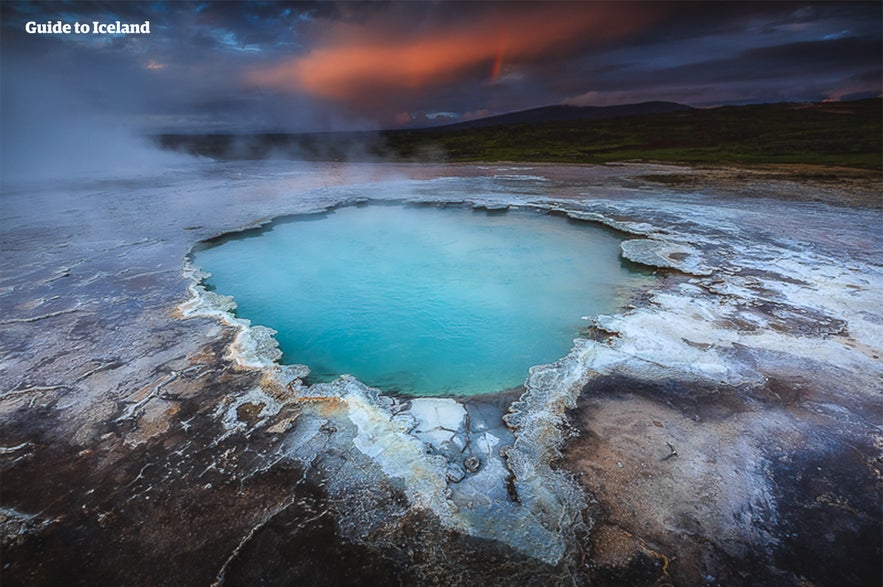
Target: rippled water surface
x=423, y=301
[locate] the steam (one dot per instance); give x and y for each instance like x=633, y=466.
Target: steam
x=51, y=131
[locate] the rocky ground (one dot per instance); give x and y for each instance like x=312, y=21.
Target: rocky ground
x=725, y=428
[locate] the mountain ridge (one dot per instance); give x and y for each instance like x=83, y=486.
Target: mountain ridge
x=839, y=134
x=566, y=113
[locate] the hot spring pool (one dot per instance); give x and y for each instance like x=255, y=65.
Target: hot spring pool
x=422, y=300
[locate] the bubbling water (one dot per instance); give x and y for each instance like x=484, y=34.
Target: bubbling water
x=422, y=301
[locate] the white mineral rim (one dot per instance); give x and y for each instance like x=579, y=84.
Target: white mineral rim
x=696, y=329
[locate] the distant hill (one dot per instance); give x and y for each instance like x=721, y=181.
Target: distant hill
x=566, y=113
x=845, y=134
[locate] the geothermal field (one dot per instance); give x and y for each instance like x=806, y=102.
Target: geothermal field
x=717, y=422
x=558, y=293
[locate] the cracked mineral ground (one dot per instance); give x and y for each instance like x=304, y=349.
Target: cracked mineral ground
x=723, y=428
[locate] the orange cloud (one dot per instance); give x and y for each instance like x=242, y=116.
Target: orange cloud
x=357, y=62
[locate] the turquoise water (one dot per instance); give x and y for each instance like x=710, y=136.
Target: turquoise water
x=422, y=301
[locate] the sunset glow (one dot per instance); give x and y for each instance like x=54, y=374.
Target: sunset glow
x=320, y=66
x=360, y=60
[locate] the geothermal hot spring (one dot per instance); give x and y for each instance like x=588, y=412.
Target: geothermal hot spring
x=422, y=300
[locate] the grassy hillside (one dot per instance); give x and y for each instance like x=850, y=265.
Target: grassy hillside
x=847, y=134
x=844, y=134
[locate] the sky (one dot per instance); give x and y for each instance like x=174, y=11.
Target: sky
x=320, y=66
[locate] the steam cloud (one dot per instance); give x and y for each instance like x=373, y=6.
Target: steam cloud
x=51, y=131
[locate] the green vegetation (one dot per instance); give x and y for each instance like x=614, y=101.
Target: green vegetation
x=841, y=134
x=845, y=134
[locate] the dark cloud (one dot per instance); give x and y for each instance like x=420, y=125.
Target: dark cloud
x=313, y=65
x=824, y=53
x=793, y=61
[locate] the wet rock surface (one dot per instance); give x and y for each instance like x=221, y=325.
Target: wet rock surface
x=723, y=429
x=720, y=486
